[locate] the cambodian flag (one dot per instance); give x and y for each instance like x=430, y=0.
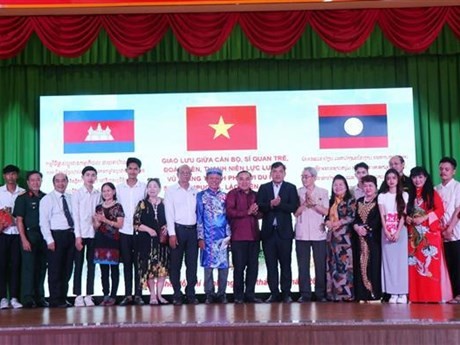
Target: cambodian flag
x=353, y=126
x=94, y=131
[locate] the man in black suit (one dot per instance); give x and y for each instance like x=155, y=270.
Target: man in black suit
x=277, y=200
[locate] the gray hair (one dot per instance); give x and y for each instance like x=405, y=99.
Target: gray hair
x=312, y=171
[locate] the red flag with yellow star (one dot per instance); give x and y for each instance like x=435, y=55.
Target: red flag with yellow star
x=221, y=128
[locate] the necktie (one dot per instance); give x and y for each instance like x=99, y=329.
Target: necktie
x=67, y=214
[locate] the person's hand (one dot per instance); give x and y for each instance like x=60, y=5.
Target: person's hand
x=152, y=233
x=78, y=243
x=299, y=210
x=201, y=244
x=253, y=209
x=409, y=220
x=52, y=246
x=361, y=230
x=275, y=202
x=26, y=245
x=173, y=241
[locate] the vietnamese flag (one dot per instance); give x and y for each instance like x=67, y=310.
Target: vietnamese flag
x=353, y=126
x=221, y=128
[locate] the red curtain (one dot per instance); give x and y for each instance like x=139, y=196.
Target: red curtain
x=410, y=29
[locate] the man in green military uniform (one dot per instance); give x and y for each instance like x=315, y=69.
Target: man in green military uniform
x=33, y=251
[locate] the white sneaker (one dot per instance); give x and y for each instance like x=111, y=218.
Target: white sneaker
x=4, y=304
x=393, y=299
x=402, y=299
x=79, y=301
x=15, y=303
x=89, y=301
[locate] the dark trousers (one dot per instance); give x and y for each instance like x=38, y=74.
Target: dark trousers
x=115, y=275
x=245, y=256
x=129, y=260
x=33, y=268
x=88, y=247
x=303, y=262
x=188, y=245
x=222, y=277
x=278, y=251
x=10, y=262
x=60, y=264
x=452, y=250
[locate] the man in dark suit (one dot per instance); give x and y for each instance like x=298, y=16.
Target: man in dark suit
x=277, y=200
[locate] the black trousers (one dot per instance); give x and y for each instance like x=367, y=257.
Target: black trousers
x=303, y=249
x=115, y=275
x=129, y=260
x=452, y=250
x=60, y=265
x=33, y=268
x=10, y=262
x=188, y=246
x=88, y=248
x=278, y=251
x=245, y=256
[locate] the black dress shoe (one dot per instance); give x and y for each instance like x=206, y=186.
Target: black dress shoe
x=138, y=300
x=43, y=303
x=59, y=305
x=209, y=300
x=254, y=300
x=272, y=299
x=287, y=299
x=177, y=301
x=126, y=301
x=68, y=304
x=238, y=301
x=304, y=300
x=323, y=299
x=223, y=299
x=193, y=301
x=29, y=305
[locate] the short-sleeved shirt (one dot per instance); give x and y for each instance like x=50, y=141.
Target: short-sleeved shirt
x=450, y=195
x=309, y=225
x=27, y=207
x=7, y=200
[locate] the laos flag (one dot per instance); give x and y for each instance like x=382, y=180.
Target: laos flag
x=98, y=131
x=353, y=126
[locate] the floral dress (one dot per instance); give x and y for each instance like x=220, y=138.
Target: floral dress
x=107, y=238
x=153, y=257
x=428, y=278
x=339, y=254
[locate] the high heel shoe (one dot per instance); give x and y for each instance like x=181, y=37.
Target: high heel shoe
x=153, y=301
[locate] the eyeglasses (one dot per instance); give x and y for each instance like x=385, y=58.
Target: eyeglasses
x=306, y=176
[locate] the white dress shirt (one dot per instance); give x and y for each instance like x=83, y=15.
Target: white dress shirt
x=7, y=199
x=129, y=197
x=180, y=207
x=450, y=195
x=52, y=215
x=84, y=205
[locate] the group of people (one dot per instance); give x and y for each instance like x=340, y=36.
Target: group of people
x=396, y=242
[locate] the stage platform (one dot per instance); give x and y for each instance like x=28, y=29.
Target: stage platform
x=249, y=324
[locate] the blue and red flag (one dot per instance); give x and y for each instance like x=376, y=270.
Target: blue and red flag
x=98, y=131
x=353, y=126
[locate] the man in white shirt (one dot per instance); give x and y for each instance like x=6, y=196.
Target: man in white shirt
x=180, y=209
x=361, y=170
x=9, y=240
x=449, y=190
x=84, y=202
x=311, y=235
x=57, y=227
x=129, y=193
